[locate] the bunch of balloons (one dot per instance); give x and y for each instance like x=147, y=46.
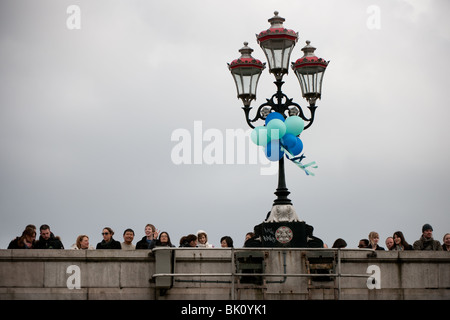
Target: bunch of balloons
x=278, y=135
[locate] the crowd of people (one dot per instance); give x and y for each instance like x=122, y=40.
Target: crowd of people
x=399, y=243
x=154, y=238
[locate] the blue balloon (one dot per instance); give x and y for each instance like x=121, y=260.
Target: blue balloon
x=289, y=140
x=259, y=136
x=273, y=150
x=276, y=129
x=298, y=147
x=274, y=115
x=294, y=125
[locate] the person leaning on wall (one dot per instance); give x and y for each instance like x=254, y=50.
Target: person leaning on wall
x=47, y=239
x=446, y=244
x=426, y=241
x=26, y=240
x=82, y=243
x=149, y=240
x=108, y=242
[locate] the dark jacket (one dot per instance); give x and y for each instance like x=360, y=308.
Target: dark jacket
x=185, y=244
x=15, y=244
x=112, y=244
x=427, y=244
x=159, y=244
x=144, y=244
x=52, y=243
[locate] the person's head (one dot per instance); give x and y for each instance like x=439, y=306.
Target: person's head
x=202, y=237
x=149, y=230
x=128, y=236
x=389, y=242
x=374, y=237
x=107, y=234
x=427, y=231
x=31, y=226
x=29, y=234
x=82, y=241
x=191, y=239
x=446, y=239
x=226, y=242
x=164, y=238
x=399, y=238
x=363, y=243
x=45, y=231
x=249, y=235
x=339, y=243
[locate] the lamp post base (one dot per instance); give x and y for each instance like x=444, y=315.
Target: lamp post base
x=284, y=235
x=282, y=213
x=283, y=228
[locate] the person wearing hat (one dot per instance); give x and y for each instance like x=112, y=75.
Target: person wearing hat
x=426, y=241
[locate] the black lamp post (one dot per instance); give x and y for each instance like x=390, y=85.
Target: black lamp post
x=277, y=43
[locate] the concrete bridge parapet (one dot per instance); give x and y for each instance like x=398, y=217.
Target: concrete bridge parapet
x=224, y=274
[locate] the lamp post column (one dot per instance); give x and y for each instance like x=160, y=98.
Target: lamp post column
x=282, y=191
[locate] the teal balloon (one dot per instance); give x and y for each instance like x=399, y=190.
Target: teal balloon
x=273, y=150
x=294, y=125
x=259, y=136
x=297, y=148
x=289, y=140
x=276, y=129
x=274, y=115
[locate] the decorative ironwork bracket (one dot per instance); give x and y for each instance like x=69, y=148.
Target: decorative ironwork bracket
x=280, y=103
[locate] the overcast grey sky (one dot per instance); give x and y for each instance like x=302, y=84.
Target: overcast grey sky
x=87, y=116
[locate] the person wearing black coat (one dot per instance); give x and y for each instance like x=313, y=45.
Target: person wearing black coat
x=108, y=242
x=149, y=240
x=26, y=241
x=145, y=244
x=47, y=239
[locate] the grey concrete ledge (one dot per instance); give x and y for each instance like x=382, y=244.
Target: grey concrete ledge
x=196, y=274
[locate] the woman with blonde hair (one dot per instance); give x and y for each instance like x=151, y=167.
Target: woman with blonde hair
x=374, y=237
x=446, y=240
x=82, y=243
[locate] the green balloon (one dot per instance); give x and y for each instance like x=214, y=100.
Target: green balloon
x=259, y=136
x=276, y=129
x=294, y=125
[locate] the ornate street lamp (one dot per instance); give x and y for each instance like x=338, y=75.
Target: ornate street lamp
x=277, y=43
x=246, y=71
x=309, y=70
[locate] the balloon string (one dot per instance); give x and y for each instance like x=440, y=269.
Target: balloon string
x=297, y=161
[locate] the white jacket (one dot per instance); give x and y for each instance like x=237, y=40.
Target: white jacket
x=207, y=244
x=74, y=247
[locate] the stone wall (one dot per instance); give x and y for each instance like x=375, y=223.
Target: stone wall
x=208, y=274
